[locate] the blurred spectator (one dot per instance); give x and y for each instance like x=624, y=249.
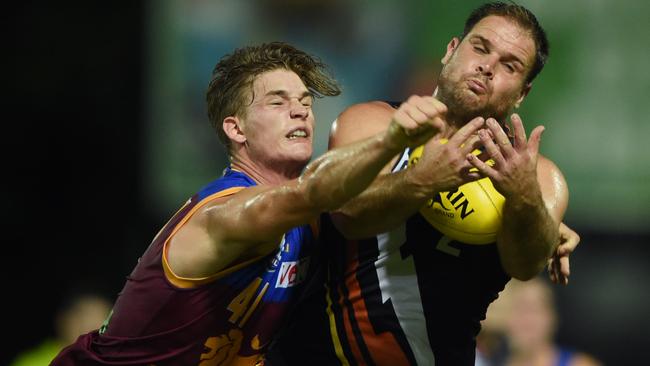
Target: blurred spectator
x=520, y=330
x=79, y=313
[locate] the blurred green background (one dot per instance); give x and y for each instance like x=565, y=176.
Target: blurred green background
x=592, y=96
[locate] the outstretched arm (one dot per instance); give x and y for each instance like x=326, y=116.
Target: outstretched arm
x=251, y=222
x=536, y=198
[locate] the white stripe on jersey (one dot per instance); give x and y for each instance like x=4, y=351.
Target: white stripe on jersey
x=398, y=281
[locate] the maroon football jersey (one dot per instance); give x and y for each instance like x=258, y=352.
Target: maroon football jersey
x=225, y=319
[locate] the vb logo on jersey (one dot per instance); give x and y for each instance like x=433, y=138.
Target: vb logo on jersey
x=292, y=273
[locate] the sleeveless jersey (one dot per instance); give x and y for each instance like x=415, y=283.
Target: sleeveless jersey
x=412, y=296
x=225, y=319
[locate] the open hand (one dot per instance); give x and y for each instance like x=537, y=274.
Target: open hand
x=514, y=173
x=444, y=166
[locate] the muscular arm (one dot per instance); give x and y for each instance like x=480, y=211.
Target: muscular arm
x=251, y=222
x=536, y=198
x=365, y=214
x=392, y=198
x=530, y=232
x=263, y=213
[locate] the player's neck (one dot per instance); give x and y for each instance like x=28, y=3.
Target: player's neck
x=265, y=173
x=454, y=122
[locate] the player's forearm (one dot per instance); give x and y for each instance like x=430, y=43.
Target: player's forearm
x=387, y=203
x=343, y=173
x=527, y=237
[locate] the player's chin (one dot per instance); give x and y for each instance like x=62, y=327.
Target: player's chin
x=300, y=152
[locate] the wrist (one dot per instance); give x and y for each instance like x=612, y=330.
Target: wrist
x=420, y=187
x=395, y=139
x=524, y=201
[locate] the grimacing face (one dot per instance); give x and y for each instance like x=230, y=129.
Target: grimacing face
x=279, y=123
x=485, y=73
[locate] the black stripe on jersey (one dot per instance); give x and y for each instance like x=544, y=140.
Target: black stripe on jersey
x=363, y=348
x=340, y=327
x=335, y=276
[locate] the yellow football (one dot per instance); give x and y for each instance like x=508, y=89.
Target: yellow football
x=471, y=214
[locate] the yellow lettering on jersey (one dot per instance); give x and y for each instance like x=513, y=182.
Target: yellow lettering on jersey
x=254, y=306
x=222, y=349
x=239, y=304
x=255, y=343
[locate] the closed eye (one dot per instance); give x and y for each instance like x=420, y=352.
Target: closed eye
x=306, y=102
x=480, y=49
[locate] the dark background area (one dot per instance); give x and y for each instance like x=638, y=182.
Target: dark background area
x=70, y=142
x=73, y=128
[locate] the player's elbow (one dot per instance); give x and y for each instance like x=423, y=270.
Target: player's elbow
x=523, y=275
x=523, y=271
x=347, y=227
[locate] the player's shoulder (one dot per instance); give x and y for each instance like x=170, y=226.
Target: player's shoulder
x=551, y=180
x=546, y=167
x=367, y=112
x=360, y=121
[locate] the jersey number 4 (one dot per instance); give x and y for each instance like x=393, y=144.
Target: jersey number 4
x=240, y=305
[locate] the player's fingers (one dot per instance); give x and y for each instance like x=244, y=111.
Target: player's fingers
x=483, y=156
x=431, y=106
x=400, y=117
x=561, y=277
x=439, y=125
x=519, y=131
x=466, y=131
x=570, y=243
x=471, y=144
x=416, y=115
x=564, y=249
x=492, y=150
x=500, y=137
x=565, y=267
x=535, y=138
x=481, y=166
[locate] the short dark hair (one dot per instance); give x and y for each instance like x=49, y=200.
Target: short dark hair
x=525, y=18
x=233, y=77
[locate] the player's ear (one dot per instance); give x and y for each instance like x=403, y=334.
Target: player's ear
x=524, y=92
x=232, y=126
x=451, y=47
